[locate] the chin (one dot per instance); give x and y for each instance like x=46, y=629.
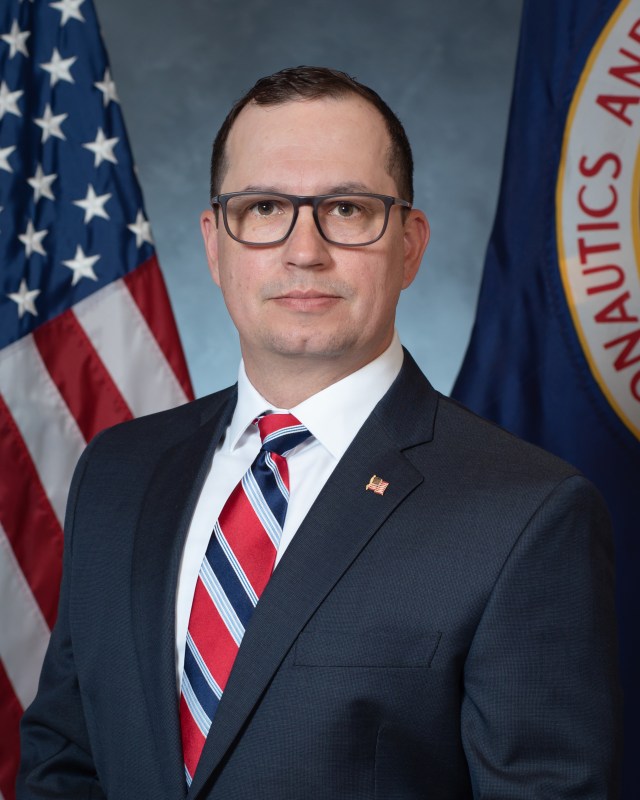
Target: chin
x=297, y=344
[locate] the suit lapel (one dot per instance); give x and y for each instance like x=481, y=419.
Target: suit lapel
x=162, y=527
x=341, y=522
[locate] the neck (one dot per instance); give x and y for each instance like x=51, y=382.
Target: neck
x=288, y=383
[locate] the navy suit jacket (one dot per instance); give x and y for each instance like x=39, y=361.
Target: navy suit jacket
x=452, y=638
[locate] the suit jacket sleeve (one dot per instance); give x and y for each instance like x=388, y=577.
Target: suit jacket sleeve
x=538, y=718
x=56, y=758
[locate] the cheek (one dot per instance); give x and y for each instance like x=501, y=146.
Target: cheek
x=235, y=274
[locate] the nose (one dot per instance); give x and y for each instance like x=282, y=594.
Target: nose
x=305, y=247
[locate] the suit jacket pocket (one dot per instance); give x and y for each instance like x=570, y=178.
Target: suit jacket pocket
x=375, y=645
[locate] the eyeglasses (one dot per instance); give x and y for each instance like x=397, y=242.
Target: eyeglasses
x=264, y=218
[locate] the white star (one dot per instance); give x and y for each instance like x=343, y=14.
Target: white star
x=70, y=9
x=59, y=68
x=108, y=88
x=102, y=148
x=50, y=124
x=16, y=40
x=82, y=266
x=93, y=205
x=142, y=229
x=41, y=184
x=32, y=240
x=5, y=152
x=9, y=101
x=25, y=297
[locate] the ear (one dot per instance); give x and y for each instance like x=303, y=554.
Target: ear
x=416, y=238
x=209, y=228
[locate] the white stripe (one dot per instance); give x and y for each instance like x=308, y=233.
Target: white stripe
x=278, y=477
x=231, y=558
x=221, y=601
x=120, y=334
x=261, y=507
x=204, y=669
x=283, y=432
x=24, y=633
x=187, y=776
x=48, y=429
x=195, y=709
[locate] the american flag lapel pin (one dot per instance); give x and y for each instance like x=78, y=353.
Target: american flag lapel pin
x=376, y=485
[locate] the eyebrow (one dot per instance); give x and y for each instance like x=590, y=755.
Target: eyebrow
x=342, y=188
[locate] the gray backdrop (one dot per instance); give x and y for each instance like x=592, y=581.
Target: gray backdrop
x=444, y=66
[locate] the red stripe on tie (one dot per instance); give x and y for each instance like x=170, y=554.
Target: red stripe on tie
x=82, y=379
x=275, y=422
x=10, y=713
x=243, y=531
x=28, y=518
x=192, y=738
x=211, y=636
x=148, y=289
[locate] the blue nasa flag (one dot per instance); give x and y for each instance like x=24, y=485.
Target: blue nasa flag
x=554, y=354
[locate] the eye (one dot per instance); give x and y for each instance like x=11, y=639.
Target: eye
x=345, y=209
x=264, y=208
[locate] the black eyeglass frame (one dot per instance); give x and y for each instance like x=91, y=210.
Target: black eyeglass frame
x=313, y=200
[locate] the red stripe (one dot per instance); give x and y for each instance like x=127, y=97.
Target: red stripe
x=248, y=539
x=192, y=738
x=271, y=423
x=28, y=518
x=82, y=379
x=148, y=289
x=10, y=713
x=211, y=636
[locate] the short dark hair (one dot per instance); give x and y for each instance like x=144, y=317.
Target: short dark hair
x=311, y=83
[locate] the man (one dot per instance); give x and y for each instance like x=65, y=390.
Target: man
x=439, y=622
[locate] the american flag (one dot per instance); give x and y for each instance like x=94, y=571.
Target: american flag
x=377, y=485
x=87, y=337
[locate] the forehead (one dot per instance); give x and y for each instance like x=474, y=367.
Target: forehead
x=309, y=147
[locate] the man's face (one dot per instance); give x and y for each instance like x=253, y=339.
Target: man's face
x=305, y=298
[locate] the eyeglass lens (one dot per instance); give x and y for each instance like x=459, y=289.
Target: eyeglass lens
x=261, y=219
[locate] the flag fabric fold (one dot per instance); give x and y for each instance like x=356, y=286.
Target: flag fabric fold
x=87, y=335
x=554, y=354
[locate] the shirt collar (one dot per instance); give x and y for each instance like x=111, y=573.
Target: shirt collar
x=333, y=415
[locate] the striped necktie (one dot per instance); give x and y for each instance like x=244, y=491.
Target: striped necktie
x=235, y=569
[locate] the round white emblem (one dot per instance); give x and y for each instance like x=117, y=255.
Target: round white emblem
x=597, y=212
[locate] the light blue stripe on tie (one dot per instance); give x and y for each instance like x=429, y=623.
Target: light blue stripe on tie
x=197, y=712
x=231, y=558
x=260, y=506
x=204, y=669
x=276, y=474
x=284, y=432
x=187, y=776
x=221, y=601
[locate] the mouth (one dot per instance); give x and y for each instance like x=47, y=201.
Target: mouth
x=306, y=299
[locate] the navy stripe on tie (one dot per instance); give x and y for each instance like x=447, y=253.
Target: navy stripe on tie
x=270, y=490
x=229, y=581
x=203, y=692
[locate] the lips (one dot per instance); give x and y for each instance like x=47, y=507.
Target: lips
x=306, y=299
x=307, y=294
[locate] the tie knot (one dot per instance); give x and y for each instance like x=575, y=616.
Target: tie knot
x=281, y=432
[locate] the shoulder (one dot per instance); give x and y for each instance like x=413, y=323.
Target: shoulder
x=424, y=421
x=479, y=442
x=164, y=428
x=473, y=471
x=140, y=442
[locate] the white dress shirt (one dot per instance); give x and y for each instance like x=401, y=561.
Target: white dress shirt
x=334, y=416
